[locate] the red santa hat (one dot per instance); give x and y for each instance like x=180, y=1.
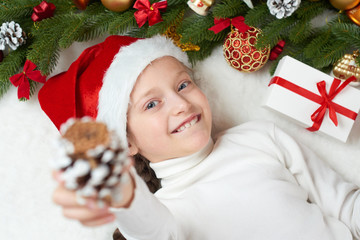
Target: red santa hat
x=99, y=83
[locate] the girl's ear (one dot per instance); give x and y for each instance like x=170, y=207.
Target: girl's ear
x=133, y=149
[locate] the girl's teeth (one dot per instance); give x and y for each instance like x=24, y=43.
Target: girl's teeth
x=187, y=125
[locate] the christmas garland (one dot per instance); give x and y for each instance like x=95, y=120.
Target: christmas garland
x=35, y=31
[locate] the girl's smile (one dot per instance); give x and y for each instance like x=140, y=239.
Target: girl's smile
x=168, y=116
x=190, y=121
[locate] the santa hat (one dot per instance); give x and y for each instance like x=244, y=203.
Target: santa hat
x=98, y=84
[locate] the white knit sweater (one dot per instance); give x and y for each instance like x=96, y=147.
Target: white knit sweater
x=254, y=183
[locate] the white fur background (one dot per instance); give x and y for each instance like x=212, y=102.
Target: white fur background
x=26, y=208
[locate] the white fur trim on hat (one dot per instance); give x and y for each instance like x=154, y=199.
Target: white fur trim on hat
x=122, y=74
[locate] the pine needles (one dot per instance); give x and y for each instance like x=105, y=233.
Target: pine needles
x=318, y=46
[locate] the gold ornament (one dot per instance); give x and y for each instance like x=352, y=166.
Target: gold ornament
x=344, y=4
x=240, y=52
x=201, y=7
x=354, y=14
x=81, y=4
x=171, y=33
x=347, y=67
x=117, y=5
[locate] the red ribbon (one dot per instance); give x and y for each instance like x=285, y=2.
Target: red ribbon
x=42, y=11
x=21, y=81
x=148, y=13
x=222, y=23
x=275, y=51
x=324, y=99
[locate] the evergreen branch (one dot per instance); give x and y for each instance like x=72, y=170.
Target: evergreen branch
x=300, y=31
x=331, y=53
x=123, y=22
x=348, y=33
x=206, y=48
x=311, y=9
x=318, y=42
x=171, y=17
x=172, y=3
x=195, y=29
x=275, y=31
x=72, y=30
x=13, y=11
x=229, y=8
x=259, y=16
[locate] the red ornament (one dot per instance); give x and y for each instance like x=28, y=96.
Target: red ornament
x=147, y=12
x=240, y=51
x=21, y=80
x=81, y=4
x=42, y=11
x=277, y=50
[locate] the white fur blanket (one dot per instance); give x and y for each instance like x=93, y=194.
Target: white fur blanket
x=26, y=208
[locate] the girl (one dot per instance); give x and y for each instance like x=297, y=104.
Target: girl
x=252, y=181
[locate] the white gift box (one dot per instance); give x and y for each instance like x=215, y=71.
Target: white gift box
x=300, y=108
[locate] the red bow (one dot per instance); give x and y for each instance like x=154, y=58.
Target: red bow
x=222, y=23
x=318, y=116
x=325, y=100
x=42, y=11
x=148, y=13
x=21, y=79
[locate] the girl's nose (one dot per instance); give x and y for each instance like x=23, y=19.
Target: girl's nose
x=180, y=104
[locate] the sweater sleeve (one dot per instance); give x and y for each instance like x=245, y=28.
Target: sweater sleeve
x=146, y=218
x=326, y=188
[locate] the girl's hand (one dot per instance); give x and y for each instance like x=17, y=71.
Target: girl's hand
x=87, y=212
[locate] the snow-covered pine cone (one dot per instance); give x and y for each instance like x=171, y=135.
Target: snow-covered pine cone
x=91, y=159
x=11, y=34
x=283, y=8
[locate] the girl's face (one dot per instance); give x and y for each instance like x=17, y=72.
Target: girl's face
x=168, y=115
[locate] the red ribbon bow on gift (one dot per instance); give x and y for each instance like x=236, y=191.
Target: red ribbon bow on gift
x=318, y=116
x=42, y=11
x=21, y=81
x=325, y=100
x=147, y=12
x=222, y=23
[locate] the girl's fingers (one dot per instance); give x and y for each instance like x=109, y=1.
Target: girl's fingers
x=83, y=214
x=57, y=176
x=99, y=221
x=64, y=197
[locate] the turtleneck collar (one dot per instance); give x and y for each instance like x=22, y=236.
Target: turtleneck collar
x=174, y=166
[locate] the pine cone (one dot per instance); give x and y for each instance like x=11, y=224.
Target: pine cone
x=282, y=8
x=11, y=34
x=91, y=159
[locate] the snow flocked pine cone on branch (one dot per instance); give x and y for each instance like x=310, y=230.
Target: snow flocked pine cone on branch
x=91, y=160
x=11, y=34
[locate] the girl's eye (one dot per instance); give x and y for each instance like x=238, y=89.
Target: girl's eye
x=151, y=104
x=183, y=85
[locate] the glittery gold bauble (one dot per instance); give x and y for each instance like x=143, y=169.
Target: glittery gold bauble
x=201, y=7
x=117, y=5
x=347, y=67
x=240, y=51
x=81, y=4
x=172, y=34
x=354, y=14
x=344, y=4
